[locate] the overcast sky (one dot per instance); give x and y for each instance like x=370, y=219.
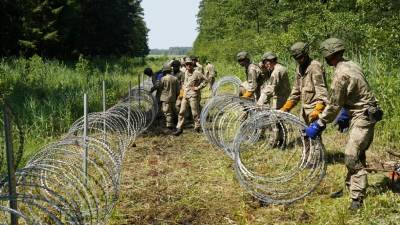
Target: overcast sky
x=172, y=23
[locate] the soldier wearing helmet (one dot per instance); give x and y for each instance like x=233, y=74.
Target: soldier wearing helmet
x=351, y=98
x=276, y=88
x=250, y=88
x=309, y=86
x=194, y=82
x=169, y=86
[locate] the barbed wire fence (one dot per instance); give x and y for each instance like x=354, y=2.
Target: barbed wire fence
x=76, y=180
x=273, y=159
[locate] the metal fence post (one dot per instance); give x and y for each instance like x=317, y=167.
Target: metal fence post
x=85, y=144
x=104, y=109
x=10, y=166
x=129, y=109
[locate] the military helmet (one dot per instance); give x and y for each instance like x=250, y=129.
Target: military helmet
x=166, y=67
x=188, y=60
x=193, y=57
x=175, y=63
x=269, y=56
x=331, y=46
x=242, y=55
x=299, y=49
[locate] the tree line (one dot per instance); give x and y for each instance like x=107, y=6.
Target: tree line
x=228, y=26
x=68, y=28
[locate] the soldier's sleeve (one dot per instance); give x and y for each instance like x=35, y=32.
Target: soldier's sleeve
x=203, y=80
x=321, y=90
x=295, y=94
x=271, y=84
x=252, y=74
x=337, y=98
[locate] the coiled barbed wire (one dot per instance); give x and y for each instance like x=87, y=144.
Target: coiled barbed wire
x=274, y=161
x=225, y=85
x=56, y=188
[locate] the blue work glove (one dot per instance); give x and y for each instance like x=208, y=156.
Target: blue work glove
x=314, y=130
x=343, y=120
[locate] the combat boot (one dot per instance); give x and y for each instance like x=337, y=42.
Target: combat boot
x=178, y=132
x=355, y=204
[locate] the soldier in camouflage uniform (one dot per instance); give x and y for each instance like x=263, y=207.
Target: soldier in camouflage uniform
x=251, y=87
x=169, y=86
x=194, y=82
x=309, y=86
x=359, y=110
x=276, y=87
x=210, y=73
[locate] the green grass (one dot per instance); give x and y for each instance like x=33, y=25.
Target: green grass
x=46, y=96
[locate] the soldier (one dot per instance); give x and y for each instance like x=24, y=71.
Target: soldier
x=309, y=86
x=194, y=82
x=169, y=86
x=176, y=71
x=149, y=72
x=276, y=87
x=359, y=110
x=210, y=73
x=250, y=88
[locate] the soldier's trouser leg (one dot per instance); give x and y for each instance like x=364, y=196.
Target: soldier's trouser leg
x=182, y=112
x=195, y=106
x=360, y=138
x=168, y=110
x=212, y=80
x=178, y=105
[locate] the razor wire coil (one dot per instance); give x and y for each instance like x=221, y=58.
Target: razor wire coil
x=274, y=161
x=54, y=187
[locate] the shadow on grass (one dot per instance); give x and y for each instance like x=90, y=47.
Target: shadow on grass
x=334, y=157
x=386, y=185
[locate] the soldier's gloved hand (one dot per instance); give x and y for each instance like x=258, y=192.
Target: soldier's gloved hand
x=314, y=115
x=247, y=94
x=181, y=91
x=314, y=130
x=343, y=120
x=289, y=104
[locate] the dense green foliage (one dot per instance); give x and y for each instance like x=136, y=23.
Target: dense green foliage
x=369, y=27
x=67, y=28
x=228, y=26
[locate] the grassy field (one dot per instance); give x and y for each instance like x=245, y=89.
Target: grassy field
x=185, y=180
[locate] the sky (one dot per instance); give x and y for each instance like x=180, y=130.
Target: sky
x=163, y=16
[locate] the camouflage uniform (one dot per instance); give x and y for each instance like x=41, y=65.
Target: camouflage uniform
x=310, y=88
x=169, y=86
x=191, y=98
x=181, y=78
x=253, y=78
x=210, y=74
x=351, y=91
x=198, y=67
x=276, y=88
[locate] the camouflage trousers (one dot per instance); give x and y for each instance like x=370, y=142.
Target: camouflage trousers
x=360, y=138
x=168, y=108
x=194, y=104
